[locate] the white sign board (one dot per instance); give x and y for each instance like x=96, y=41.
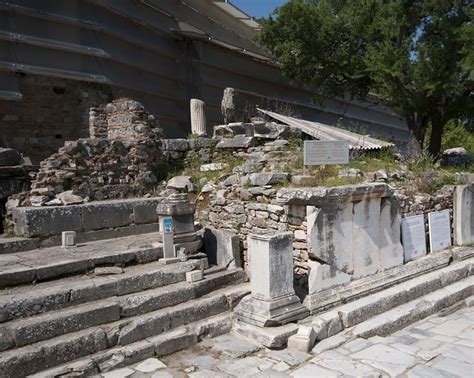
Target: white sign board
x=440, y=230
x=413, y=237
x=321, y=152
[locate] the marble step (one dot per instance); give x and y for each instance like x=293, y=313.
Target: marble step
x=30, y=300
x=163, y=331
x=19, y=333
x=166, y=343
x=50, y=263
x=408, y=313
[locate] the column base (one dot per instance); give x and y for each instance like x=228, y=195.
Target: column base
x=270, y=313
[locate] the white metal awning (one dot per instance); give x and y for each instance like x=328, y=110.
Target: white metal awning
x=320, y=131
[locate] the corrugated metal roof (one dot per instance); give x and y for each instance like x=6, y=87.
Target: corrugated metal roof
x=321, y=131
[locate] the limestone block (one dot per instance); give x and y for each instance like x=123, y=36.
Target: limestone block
x=325, y=276
x=304, y=339
x=330, y=234
x=222, y=248
x=144, y=210
x=180, y=145
x=366, y=237
x=391, y=249
x=46, y=221
x=113, y=214
x=180, y=183
x=239, y=141
x=194, y=276
x=463, y=214
x=68, y=239
x=268, y=178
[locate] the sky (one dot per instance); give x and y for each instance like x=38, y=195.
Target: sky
x=258, y=8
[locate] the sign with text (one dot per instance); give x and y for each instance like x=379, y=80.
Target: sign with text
x=413, y=237
x=440, y=230
x=321, y=152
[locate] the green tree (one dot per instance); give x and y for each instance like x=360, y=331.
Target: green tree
x=416, y=56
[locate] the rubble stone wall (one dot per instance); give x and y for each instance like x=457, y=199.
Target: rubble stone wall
x=52, y=111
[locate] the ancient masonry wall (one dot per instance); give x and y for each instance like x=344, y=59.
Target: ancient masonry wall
x=51, y=112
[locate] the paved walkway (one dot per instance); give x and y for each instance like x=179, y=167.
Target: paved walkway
x=439, y=346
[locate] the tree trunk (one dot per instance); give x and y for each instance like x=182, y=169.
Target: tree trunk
x=437, y=126
x=417, y=125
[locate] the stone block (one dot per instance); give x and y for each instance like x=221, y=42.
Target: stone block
x=239, y=141
x=273, y=301
x=144, y=211
x=304, y=339
x=366, y=237
x=103, y=215
x=180, y=145
x=273, y=338
x=268, y=178
x=33, y=222
x=194, y=276
x=68, y=239
x=391, y=249
x=222, y=248
x=463, y=214
x=322, y=277
x=330, y=234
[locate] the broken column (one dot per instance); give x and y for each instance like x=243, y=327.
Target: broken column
x=273, y=301
x=181, y=211
x=198, y=117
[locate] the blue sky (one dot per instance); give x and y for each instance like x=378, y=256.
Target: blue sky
x=258, y=8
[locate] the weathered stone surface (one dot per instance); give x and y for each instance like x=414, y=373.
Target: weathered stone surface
x=273, y=301
x=108, y=271
x=182, y=183
x=69, y=198
x=239, y=141
x=212, y=167
x=9, y=157
x=391, y=249
x=322, y=277
x=463, y=215
x=222, y=248
x=32, y=222
x=304, y=339
x=271, y=337
x=99, y=216
x=268, y=178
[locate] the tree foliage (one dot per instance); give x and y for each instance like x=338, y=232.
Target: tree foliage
x=417, y=56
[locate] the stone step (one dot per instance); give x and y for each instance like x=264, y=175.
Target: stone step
x=163, y=331
x=343, y=317
x=19, y=333
x=29, y=300
x=155, y=299
x=50, y=263
x=408, y=313
x=166, y=343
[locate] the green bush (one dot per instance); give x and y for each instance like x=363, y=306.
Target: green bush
x=455, y=134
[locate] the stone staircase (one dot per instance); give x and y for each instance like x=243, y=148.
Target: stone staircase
x=57, y=314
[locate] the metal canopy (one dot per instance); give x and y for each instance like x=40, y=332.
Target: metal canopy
x=321, y=131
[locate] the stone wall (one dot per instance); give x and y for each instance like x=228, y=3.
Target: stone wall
x=52, y=111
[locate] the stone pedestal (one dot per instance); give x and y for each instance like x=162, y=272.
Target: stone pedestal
x=273, y=301
x=198, y=117
x=182, y=211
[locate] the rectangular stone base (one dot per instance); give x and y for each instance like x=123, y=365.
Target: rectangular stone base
x=168, y=261
x=271, y=313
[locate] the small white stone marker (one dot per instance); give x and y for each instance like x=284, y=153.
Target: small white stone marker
x=68, y=239
x=413, y=237
x=194, y=276
x=440, y=230
x=150, y=365
x=304, y=340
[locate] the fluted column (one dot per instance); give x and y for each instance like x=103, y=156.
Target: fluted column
x=198, y=117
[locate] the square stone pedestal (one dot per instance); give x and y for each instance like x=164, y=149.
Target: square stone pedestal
x=273, y=301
